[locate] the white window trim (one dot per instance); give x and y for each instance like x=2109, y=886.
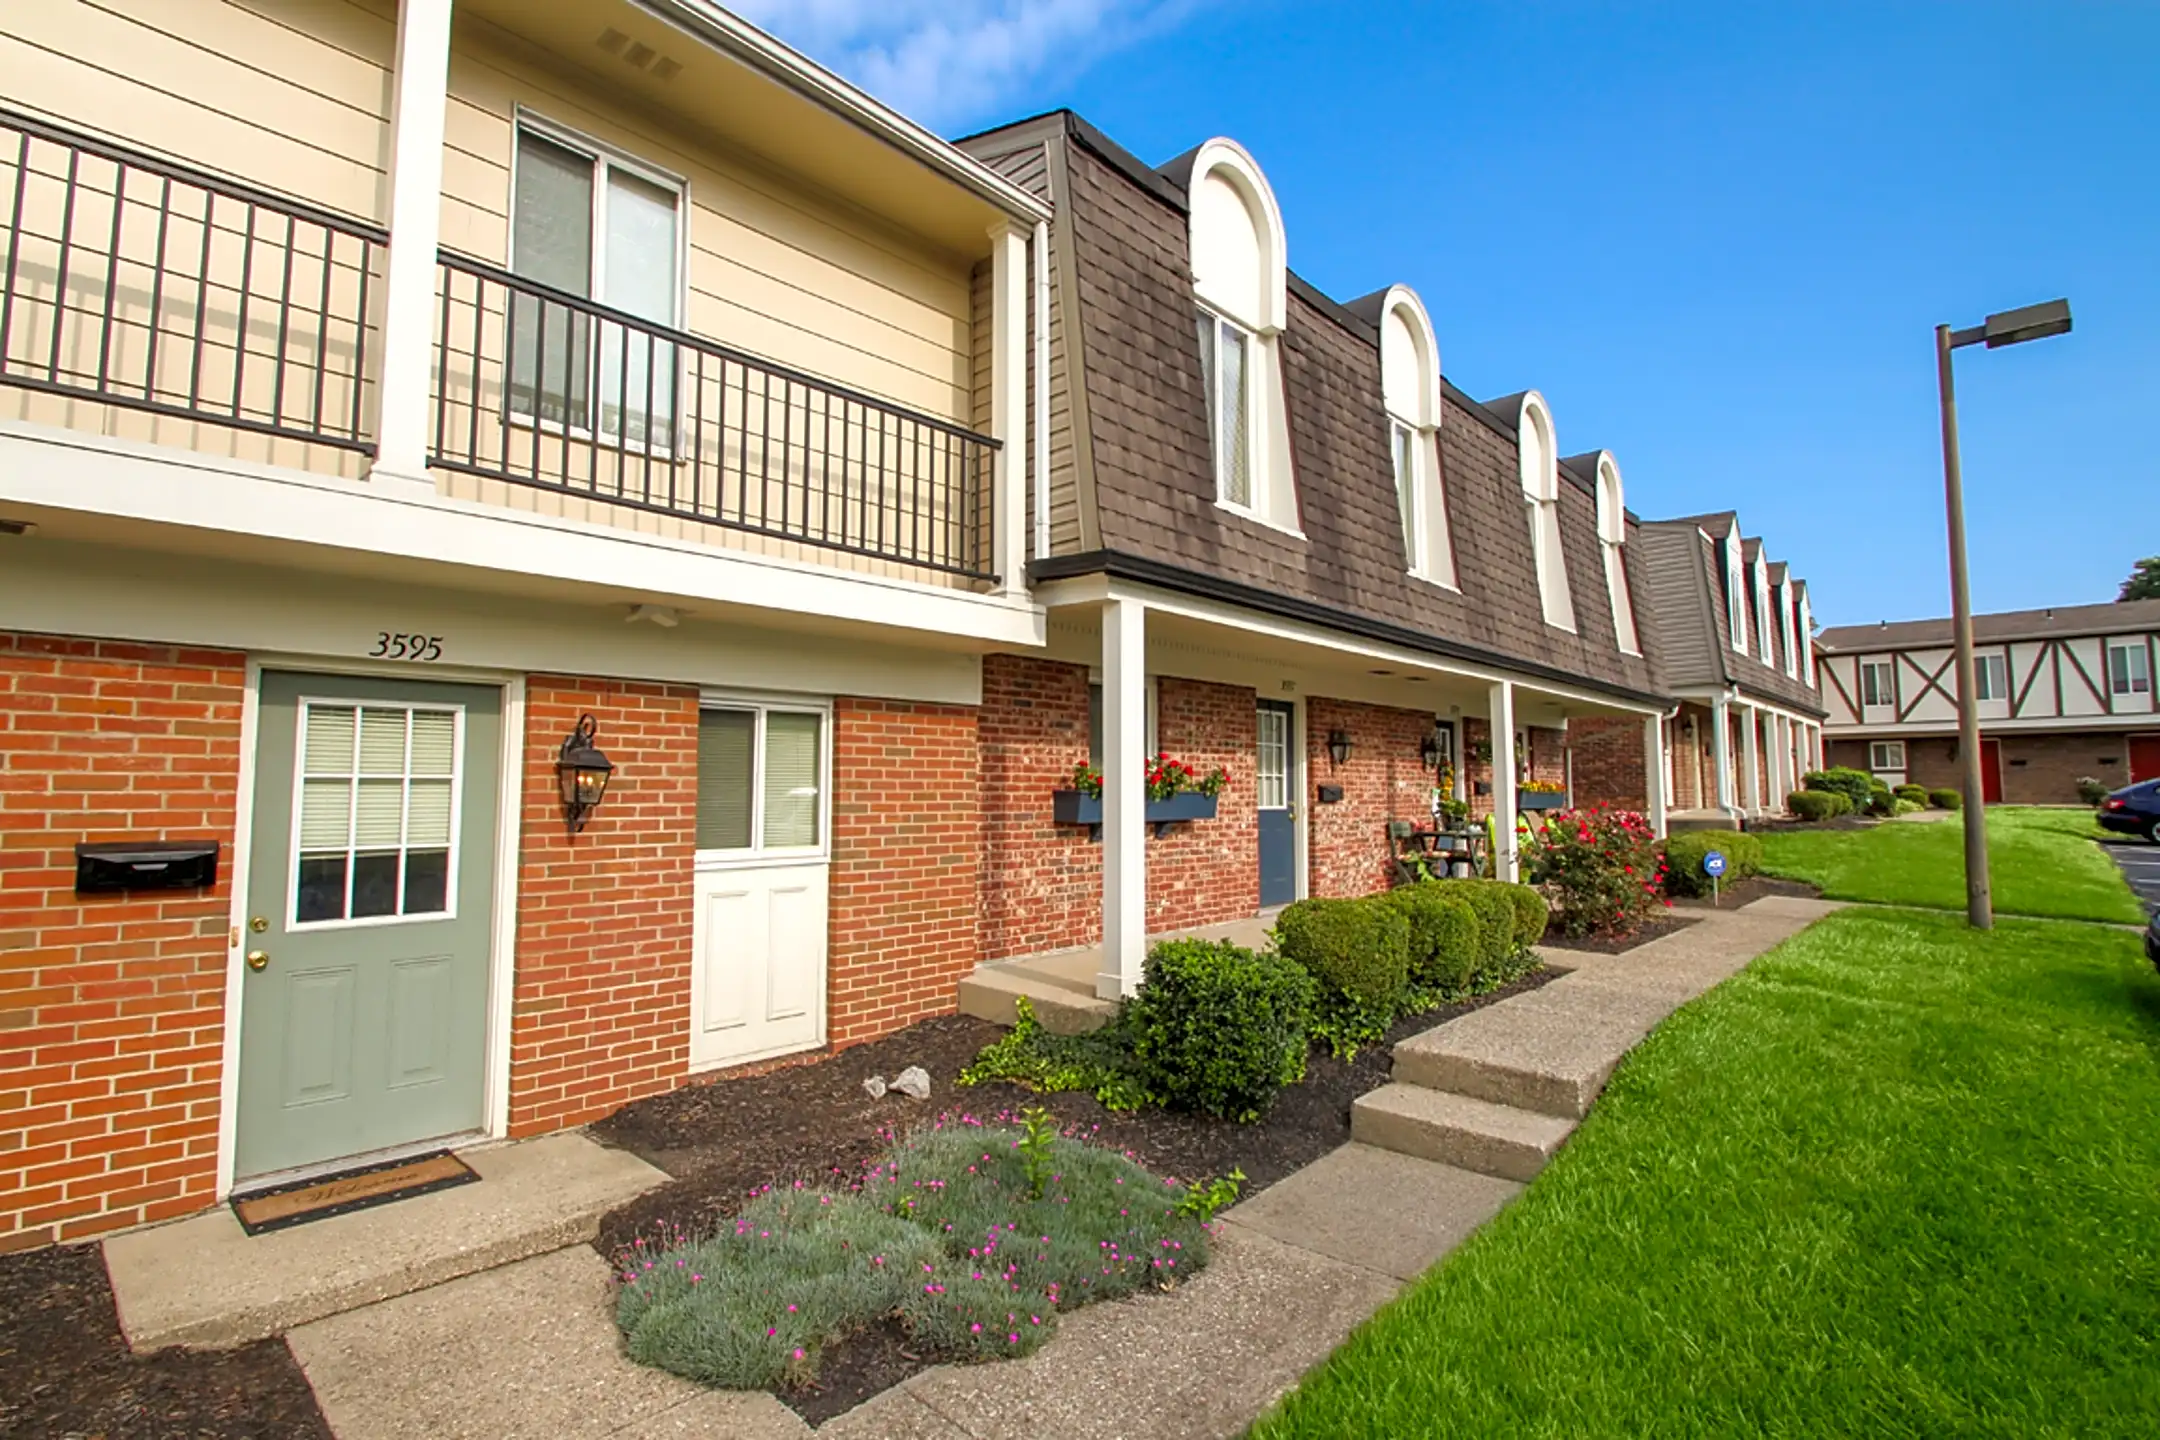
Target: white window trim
x=605, y=157
x=2129, y=647
x=1866, y=666
x=1877, y=748
x=1256, y=477
x=1791, y=625
x=1763, y=647
x=1433, y=564
x=1807, y=640
x=293, y=922
x=1735, y=600
x=1541, y=504
x=758, y=855
x=1611, y=502
x=1982, y=692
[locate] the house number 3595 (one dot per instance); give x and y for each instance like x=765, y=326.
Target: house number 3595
x=392, y=646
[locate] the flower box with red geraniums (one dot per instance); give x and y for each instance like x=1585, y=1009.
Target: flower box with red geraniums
x=1175, y=793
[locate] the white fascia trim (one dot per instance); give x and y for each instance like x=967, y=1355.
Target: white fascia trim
x=63, y=470
x=1743, y=701
x=738, y=38
x=1095, y=589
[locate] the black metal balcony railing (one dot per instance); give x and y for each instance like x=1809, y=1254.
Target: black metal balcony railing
x=540, y=387
x=141, y=283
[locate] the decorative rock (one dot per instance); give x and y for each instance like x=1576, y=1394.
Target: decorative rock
x=876, y=1086
x=913, y=1082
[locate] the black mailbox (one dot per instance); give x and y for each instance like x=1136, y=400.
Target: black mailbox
x=146, y=865
x=1331, y=794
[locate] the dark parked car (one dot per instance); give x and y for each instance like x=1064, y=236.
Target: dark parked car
x=2133, y=810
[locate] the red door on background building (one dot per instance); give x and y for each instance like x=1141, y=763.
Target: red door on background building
x=1991, y=771
x=2144, y=757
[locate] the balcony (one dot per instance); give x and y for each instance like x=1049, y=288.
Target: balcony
x=248, y=324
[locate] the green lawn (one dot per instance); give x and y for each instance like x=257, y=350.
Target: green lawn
x=1897, y=1178
x=2041, y=862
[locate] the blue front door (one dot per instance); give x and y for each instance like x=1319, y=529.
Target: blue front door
x=1277, y=796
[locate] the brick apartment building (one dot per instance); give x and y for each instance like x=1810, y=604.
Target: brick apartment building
x=348, y=503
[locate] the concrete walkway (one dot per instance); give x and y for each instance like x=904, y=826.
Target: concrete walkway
x=532, y=1350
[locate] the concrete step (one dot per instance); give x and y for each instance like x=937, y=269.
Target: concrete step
x=1550, y=1050
x=1457, y=1130
x=1060, y=1006
x=206, y=1282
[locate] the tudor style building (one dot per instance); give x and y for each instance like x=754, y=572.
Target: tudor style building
x=2063, y=693
x=1273, y=537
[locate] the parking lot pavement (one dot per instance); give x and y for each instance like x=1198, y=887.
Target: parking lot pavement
x=2140, y=864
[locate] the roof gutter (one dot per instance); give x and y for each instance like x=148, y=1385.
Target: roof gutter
x=743, y=41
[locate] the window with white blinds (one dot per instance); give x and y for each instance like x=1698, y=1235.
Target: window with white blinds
x=761, y=779
x=375, y=820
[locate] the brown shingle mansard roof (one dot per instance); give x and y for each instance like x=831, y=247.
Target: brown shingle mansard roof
x=1129, y=340
x=2063, y=620
x=1687, y=579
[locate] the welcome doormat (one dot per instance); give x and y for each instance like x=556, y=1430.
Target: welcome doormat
x=349, y=1190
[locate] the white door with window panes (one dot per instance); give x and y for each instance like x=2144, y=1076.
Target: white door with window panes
x=763, y=856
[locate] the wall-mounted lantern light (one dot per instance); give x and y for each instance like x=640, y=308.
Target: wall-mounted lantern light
x=1338, y=747
x=583, y=773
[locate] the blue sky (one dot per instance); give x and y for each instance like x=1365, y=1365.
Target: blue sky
x=1717, y=237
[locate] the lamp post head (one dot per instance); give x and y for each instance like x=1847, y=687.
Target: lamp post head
x=2033, y=322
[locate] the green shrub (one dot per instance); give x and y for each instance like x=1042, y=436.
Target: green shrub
x=1881, y=802
x=1684, y=856
x=1495, y=911
x=1909, y=807
x=1217, y=1028
x=1817, y=804
x=1443, y=934
x=1100, y=1062
x=2089, y=790
x=1360, y=948
x=1530, y=911
x=1945, y=799
x=1854, y=785
x=1909, y=791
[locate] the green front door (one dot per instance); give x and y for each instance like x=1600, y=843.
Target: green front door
x=371, y=873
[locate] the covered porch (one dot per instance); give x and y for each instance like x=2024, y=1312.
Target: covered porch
x=1324, y=738
x=1734, y=756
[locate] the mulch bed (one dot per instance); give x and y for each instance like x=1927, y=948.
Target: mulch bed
x=1661, y=924
x=1741, y=892
x=65, y=1370
x=815, y=1123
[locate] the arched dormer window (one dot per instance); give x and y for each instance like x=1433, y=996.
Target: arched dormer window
x=1807, y=637
x=1789, y=620
x=1410, y=391
x=1241, y=289
x=1735, y=591
x=1763, y=642
x=1541, y=503
x=1612, y=534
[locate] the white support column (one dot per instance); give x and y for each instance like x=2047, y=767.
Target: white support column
x=422, y=86
x=1124, y=831
x=1776, y=739
x=1500, y=710
x=1721, y=757
x=1751, y=759
x=1008, y=404
x=1653, y=760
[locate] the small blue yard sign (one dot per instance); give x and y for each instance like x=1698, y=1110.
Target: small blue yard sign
x=1713, y=863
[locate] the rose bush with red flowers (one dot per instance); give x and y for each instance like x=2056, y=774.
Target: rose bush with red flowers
x=1603, y=870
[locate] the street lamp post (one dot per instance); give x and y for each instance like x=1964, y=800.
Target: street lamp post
x=2009, y=327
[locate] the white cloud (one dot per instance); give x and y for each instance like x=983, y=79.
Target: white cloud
x=952, y=63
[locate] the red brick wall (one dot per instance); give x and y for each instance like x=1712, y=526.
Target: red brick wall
x=1384, y=779
x=907, y=863
x=1607, y=757
x=1548, y=761
x=111, y=1006
x=1208, y=871
x=1042, y=882
x=2049, y=775
x=601, y=1011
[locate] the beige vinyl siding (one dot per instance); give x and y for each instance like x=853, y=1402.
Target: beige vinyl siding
x=286, y=97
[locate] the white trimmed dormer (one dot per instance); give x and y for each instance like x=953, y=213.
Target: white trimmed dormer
x=1541, y=503
x=1763, y=650
x=1240, y=289
x=1735, y=591
x=1612, y=535
x=1410, y=391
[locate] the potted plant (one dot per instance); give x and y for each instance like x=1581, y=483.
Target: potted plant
x=1175, y=793
x=1541, y=795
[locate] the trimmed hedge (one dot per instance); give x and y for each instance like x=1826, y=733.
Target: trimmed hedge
x=1914, y=793
x=1881, y=802
x=1218, y=1028
x=1495, y=911
x=1945, y=799
x=1443, y=932
x=1818, y=804
x=1684, y=856
x=1529, y=911
x=1359, y=949
x=1855, y=785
